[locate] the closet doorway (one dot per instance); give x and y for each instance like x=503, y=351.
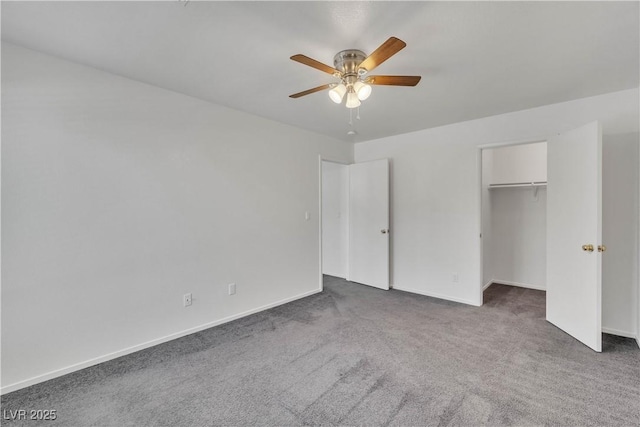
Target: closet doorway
x=514, y=212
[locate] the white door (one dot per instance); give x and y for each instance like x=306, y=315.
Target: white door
x=574, y=220
x=369, y=223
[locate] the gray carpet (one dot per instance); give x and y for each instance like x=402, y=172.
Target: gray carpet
x=355, y=355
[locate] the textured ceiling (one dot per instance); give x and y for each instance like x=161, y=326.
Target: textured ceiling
x=476, y=59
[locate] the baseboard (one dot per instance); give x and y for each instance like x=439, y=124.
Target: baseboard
x=91, y=362
x=638, y=340
x=519, y=285
x=339, y=276
x=486, y=285
x=434, y=295
x=619, y=333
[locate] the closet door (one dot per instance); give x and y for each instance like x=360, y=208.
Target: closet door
x=574, y=233
x=369, y=223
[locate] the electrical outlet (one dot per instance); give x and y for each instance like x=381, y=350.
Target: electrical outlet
x=186, y=299
x=232, y=288
x=454, y=277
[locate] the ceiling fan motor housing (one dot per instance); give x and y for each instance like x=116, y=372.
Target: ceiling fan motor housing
x=348, y=62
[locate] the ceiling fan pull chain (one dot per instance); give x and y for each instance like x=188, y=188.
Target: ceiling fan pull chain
x=351, y=116
x=358, y=115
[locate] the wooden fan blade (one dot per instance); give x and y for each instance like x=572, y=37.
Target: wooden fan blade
x=384, y=52
x=393, y=80
x=315, y=64
x=307, y=92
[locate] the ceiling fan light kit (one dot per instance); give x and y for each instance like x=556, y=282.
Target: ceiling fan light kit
x=337, y=93
x=351, y=66
x=352, y=99
x=362, y=89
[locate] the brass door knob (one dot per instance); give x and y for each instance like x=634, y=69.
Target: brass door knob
x=602, y=248
x=587, y=248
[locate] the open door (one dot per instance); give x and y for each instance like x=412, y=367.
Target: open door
x=369, y=223
x=574, y=233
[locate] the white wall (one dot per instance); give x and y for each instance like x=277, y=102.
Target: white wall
x=519, y=163
x=335, y=218
x=514, y=219
x=518, y=236
x=619, y=233
x=436, y=193
x=119, y=197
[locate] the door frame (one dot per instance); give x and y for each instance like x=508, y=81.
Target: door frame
x=480, y=148
x=321, y=159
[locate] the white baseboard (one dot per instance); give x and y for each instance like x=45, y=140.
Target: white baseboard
x=82, y=365
x=519, y=285
x=638, y=341
x=619, y=333
x=339, y=276
x=486, y=285
x=434, y=295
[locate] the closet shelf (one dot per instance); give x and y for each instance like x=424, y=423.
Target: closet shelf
x=519, y=184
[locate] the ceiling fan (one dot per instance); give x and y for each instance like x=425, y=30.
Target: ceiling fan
x=352, y=66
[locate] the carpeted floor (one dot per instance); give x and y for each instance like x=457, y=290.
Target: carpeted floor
x=355, y=355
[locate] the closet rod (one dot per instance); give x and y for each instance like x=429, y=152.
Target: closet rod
x=519, y=184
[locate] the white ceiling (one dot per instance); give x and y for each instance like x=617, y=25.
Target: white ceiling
x=476, y=59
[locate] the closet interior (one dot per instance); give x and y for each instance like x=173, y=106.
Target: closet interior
x=514, y=204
